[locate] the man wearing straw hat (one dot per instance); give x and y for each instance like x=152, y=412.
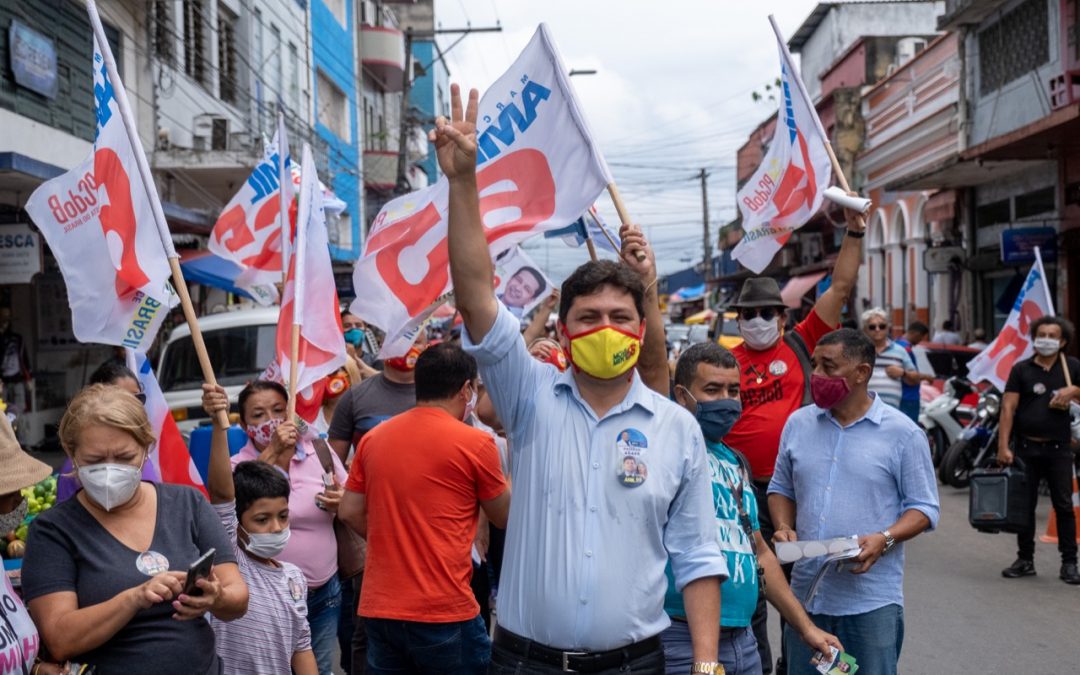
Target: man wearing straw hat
x=18, y=470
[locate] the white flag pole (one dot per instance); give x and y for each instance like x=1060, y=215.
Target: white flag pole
x=283, y=198
x=789, y=64
x=1045, y=283
x=308, y=183
x=128, y=118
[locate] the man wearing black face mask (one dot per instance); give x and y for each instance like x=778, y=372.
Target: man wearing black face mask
x=852, y=465
x=707, y=385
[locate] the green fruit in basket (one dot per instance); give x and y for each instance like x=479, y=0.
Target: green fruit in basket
x=20, y=533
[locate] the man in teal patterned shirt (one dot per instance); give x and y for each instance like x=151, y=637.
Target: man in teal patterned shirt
x=707, y=384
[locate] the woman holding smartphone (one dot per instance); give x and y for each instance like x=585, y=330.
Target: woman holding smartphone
x=105, y=571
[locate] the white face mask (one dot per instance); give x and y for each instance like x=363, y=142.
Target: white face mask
x=110, y=485
x=266, y=544
x=1047, y=346
x=11, y=521
x=759, y=333
x=470, y=407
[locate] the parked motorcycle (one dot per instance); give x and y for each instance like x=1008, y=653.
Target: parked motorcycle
x=943, y=419
x=977, y=443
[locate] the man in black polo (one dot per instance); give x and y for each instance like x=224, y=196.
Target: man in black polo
x=1035, y=417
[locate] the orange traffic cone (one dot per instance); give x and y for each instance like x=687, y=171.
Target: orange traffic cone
x=1051, y=536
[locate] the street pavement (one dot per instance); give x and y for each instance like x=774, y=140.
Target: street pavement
x=962, y=616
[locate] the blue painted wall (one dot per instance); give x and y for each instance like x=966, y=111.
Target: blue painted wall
x=333, y=55
x=423, y=97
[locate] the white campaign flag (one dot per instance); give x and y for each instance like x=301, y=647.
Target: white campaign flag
x=1014, y=343
x=538, y=169
x=310, y=298
x=249, y=230
x=788, y=187
x=100, y=225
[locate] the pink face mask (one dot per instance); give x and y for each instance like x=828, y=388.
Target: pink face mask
x=828, y=391
x=262, y=434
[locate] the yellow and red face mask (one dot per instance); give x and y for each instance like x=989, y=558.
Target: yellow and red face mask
x=605, y=352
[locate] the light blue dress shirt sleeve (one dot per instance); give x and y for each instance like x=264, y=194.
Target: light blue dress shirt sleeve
x=691, y=535
x=782, y=483
x=509, y=373
x=917, y=482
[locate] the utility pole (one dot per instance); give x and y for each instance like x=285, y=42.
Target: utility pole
x=402, y=185
x=703, y=175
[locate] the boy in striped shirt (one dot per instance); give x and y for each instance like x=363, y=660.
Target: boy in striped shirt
x=253, y=503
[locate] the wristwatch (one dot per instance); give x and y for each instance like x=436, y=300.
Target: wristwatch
x=890, y=541
x=708, y=667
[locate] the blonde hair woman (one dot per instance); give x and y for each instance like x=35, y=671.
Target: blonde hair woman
x=105, y=571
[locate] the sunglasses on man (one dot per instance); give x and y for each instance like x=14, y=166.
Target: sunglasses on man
x=877, y=326
x=767, y=313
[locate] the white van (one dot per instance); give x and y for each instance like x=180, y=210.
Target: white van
x=240, y=345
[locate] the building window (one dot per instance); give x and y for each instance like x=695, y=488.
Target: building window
x=275, y=63
x=164, y=31
x=294, y=78
x=227, y=85
x=194, y=41
x=333, y=107
x=337, y=8
x=1037, y=203
x=994, y=213
x=1014, y=46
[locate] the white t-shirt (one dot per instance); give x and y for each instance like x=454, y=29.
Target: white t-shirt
x=16, y=657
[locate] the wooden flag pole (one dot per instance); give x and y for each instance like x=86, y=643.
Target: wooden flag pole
x=294, y=355
x=592, y=248
x=128, y=118
x=841, y=178
x=624, y=215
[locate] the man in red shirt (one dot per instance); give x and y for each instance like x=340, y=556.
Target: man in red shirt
x=414, y=490
x=774, y=371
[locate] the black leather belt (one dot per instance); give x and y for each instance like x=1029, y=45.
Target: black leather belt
x=574, y=662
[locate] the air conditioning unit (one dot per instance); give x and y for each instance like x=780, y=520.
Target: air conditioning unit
x=907, y=48
x=210, y=132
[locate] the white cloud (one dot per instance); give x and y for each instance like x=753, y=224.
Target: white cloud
x=672, y=90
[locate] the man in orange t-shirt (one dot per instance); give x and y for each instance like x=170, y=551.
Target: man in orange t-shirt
x=414, y=490
x=774, y=377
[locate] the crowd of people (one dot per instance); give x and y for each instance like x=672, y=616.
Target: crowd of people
x=543, y=500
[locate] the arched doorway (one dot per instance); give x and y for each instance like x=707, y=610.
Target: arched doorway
x=876, y=272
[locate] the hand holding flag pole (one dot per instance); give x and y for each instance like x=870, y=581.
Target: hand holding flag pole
x=155, y=202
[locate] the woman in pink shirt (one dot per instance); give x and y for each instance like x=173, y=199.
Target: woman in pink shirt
x=312, y=506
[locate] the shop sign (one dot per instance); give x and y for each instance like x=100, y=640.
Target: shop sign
x=20, y=254
x=1018, y=245
x=33, y=59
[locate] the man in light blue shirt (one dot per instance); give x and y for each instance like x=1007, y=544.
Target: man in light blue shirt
x=852, y=465
x=707, y=384
x=582, y=585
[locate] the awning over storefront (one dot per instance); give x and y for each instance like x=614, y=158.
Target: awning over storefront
x=797, y=287
x=203, y=267
x=688, y=293
x=704, y=316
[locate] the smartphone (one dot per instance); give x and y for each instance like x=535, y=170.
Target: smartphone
x=200, y=569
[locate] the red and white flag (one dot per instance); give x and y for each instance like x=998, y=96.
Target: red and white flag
x=310, y=300
x=1014, y=342
x=251, y=230
x=169, y=454
x=538, y=170
x=100, y=225
x=788, y=187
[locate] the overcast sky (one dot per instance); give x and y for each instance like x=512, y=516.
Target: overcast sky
x=672, y=95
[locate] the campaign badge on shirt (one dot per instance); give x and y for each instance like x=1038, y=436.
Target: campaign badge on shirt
x=777, y=368
x=1039, y=388
x=151, y=563
x=294, y=589
x=631, y=446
